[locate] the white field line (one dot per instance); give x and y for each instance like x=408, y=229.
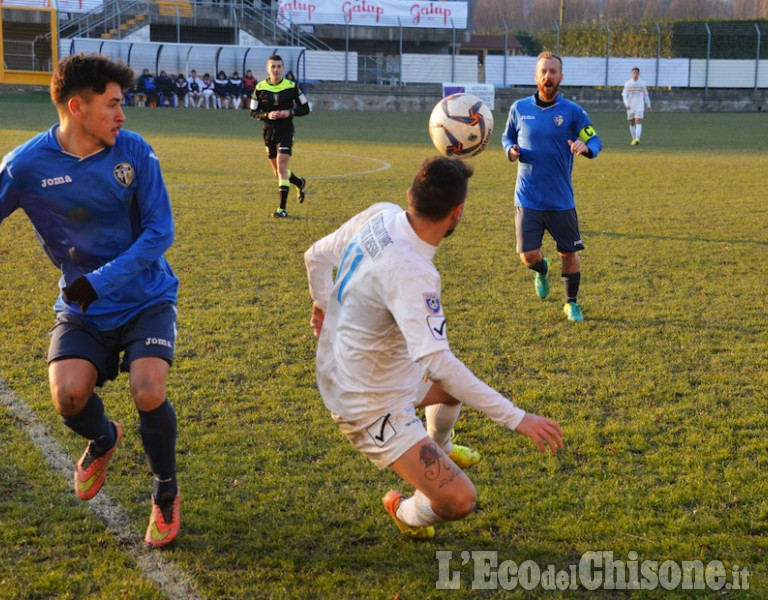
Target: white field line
x=173, y=582
x=382, y=166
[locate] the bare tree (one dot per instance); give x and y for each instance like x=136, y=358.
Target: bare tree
x=751, y=9
x=489, y=15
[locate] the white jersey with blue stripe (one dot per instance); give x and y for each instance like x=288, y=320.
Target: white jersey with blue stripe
x=380, y=314
x=384, y=327
x=546, y=162
x=106, y=216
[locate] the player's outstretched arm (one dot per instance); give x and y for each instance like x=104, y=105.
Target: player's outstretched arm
x=542, y=431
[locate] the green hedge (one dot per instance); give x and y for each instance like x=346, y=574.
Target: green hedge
x=672, y=39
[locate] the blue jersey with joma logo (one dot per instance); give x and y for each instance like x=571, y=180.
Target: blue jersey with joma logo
x=106, y=216
x=546, y=162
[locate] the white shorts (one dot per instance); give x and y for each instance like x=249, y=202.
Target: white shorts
x=386, y=437
x=634, y=115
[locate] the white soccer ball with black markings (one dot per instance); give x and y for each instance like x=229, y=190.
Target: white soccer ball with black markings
x=461, y=125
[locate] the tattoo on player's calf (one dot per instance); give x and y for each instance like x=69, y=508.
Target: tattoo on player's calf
x=450, y=477
x=429, y=456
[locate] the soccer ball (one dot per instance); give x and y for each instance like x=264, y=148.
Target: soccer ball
x=461, y=125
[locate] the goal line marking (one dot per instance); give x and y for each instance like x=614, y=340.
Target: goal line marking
x=172, y=580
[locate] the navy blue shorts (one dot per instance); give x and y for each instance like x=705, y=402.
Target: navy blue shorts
x=563, y=226
x=278, y=141
x=152, y=333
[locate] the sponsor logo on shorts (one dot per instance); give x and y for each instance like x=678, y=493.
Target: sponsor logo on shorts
x=150, y=341
x=413, y=422
x=382, y=430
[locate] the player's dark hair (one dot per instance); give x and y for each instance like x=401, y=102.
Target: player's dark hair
x=636, y=69
x=87, y=73
x=439, y=186
x=275, y=57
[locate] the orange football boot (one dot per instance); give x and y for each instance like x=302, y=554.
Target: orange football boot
x=391, y=501
x=91, y=471
x=163, y=523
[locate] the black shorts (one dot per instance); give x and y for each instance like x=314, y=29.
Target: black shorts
x=563, y=226
x=278, y=140
x=152, y=333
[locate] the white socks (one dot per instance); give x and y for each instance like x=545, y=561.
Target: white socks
x=416, y=511
x=441, y=418
x=632, y=132
x=638, y=131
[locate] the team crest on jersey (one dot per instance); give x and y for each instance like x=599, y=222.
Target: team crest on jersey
x=124, y=174
x=559, y=120
x=433, y=302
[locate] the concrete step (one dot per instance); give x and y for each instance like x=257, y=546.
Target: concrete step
x=170, y=8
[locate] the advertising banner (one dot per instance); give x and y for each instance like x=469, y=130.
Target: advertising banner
x=434, y=14
x=485, y=91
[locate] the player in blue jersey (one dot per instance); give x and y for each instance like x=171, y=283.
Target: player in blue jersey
x=97, y=200
x=544, y=132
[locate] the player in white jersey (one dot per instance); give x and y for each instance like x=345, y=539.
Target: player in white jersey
x=383, y=348
x=636, y=100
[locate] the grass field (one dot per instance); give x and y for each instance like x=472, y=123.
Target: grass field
x=662, y=391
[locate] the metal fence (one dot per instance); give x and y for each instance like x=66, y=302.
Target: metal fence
x=713, y=48
x=699, y=55
x=27, y=42
x=117, y=19
x=183, y=58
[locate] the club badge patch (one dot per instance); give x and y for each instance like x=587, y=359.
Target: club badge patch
x=559, y=120
x=124, y=174
x=433, y=302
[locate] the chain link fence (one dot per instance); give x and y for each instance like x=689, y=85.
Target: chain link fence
x=722, y=54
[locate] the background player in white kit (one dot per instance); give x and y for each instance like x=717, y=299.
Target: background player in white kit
x=383, y=348
x=636, y=100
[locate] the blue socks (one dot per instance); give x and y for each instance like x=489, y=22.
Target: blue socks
x=92, y=423
x=571, y=283
x=158, y=434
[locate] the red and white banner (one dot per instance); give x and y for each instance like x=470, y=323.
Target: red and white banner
x=78, y=6
x=73, y=6
x=44, y=4
x=434, y=14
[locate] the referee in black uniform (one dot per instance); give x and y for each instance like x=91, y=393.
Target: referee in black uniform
x=275, y=102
